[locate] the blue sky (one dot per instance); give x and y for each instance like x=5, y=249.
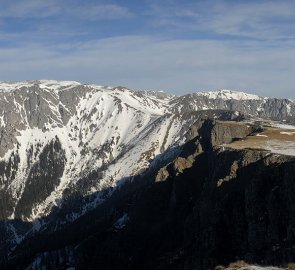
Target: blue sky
x=172, y=45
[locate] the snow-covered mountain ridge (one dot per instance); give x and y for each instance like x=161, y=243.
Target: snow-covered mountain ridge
x=109, y=132
x=63, y=85
x=92, y=125
x=229, y=94
x=66, y=148
x=95, y=127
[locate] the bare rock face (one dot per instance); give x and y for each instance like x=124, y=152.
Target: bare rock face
x=141, y=179
x=221, y=132
x=276, y=109
x=162, y=175
x=180, y=164
x=224, y=206
x=241, y=204
x=209, y=206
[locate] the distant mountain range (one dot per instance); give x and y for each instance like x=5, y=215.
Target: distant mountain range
x=71, y=153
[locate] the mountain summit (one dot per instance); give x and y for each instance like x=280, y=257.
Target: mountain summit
x=67, y=149
x=100, y=133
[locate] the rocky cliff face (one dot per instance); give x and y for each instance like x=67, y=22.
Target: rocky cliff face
x=276, y=109
x=212, y=208
x=208, y=206
x=68, y=149
x=104, y=133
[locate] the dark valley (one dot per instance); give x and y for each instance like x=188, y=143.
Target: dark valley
x=95, y=177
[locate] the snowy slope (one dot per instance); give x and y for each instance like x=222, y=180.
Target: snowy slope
x=62, y=139
x=228, y=94
x=44, y=84
x=100, y=127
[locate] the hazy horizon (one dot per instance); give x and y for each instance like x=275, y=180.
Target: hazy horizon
x=175, y=46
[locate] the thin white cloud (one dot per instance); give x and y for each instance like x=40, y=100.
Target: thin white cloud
x=263, y=63
x=147, y=63
x=29, y=9
x=260, y=20
x=267, y=20
x=54, y=21
x=101, y=12
x=81, y=10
